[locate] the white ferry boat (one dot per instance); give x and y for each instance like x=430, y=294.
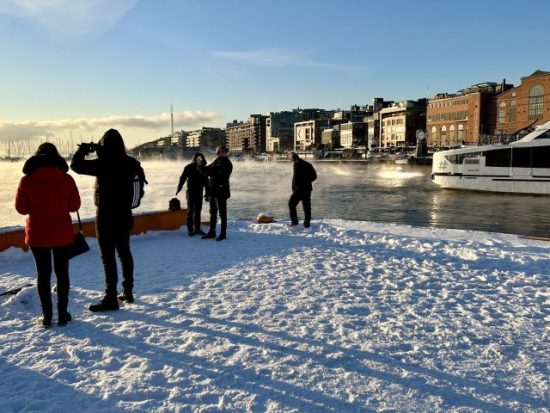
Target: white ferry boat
x=519, y=167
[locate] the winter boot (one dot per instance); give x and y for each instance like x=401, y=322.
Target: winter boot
x=45, y=321
x=126, y=296
x=63, y=319
x=210, y=234
x=106, y=304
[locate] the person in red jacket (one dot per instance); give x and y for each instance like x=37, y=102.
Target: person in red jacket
x=47, y=194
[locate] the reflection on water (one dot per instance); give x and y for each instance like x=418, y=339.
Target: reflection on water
x=396, y=194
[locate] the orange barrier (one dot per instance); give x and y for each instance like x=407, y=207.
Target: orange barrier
x=148, y=221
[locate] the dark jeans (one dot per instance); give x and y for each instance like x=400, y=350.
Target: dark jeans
x=43, y=262
x=295, y=198
x=113, y=234
x=218, y=204
x=194, y=208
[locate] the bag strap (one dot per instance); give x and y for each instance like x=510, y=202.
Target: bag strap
x=79, y=222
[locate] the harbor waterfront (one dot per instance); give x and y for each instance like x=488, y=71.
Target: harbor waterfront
x=398, y=194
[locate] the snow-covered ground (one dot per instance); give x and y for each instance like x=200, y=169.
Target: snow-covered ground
x=342, y=317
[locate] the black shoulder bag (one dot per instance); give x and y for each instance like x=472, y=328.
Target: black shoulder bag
x=79, y=245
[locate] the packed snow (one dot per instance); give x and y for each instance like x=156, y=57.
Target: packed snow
x=342, y=317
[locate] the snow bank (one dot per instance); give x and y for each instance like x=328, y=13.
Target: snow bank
x=342, y=317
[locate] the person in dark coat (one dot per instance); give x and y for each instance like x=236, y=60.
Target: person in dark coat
x=196, y=182
x=304, y=175
x=48, y=194
x=218, y=191
x=114, y=170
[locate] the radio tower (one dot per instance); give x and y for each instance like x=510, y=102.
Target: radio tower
x=172, y=123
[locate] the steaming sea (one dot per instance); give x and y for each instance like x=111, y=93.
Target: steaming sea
x=390, y=194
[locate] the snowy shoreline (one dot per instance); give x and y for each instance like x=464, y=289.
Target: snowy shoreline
x=347, y=316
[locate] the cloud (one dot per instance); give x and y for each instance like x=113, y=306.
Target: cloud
x=277, y=58
x=146, y=126
x=72, y=17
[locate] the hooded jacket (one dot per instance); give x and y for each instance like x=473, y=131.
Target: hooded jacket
x=304, y=175
x=218, y=173
x=113, y=170
x=47, y=194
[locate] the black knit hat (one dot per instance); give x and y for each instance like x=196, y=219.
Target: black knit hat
x=295, y=156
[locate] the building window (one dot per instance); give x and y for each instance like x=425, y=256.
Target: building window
x=536, y=95
x=501, y=116
x=513, y=111
x=460, y=133
x=452, y=135
x=434, y=135
x=443, y=135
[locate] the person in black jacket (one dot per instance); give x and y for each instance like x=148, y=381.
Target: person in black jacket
x=218, y=191
x=304, y=175
x=196, y=182
x=114, y=171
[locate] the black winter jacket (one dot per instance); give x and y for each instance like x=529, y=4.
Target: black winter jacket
x=113, y=193
x=218, y=173
x=196, y=181
x=304, y=175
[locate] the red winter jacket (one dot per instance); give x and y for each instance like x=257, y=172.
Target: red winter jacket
x=47, y=195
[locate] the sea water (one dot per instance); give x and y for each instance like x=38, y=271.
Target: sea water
x=354, y=191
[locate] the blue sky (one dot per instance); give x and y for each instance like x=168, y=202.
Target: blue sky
x=80, y=67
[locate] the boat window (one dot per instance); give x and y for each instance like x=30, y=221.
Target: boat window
x=499, y=158
x=521, y=157
x=453, y=159
x=471, y=161
x=541, y=157
x=545, y=135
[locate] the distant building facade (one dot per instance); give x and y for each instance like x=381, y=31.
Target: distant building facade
x=523, y=107
x=353, y=134
x=308, y=134
x=462, y=118
x=280, y=126
x=205, y=138
x=247, y=137
x=400, y=121
x=330, y=138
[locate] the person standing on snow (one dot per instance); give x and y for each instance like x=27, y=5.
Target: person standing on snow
x=218, y=191
x=304, y=175
x=48, y=194
x=114, y=170
x=196, y=182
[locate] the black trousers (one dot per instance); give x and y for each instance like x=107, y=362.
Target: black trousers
x=218, y=205
x=113, y=235
x=295, y=198
x=43, y=262
x=194, y=209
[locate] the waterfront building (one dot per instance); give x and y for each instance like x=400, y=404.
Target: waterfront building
x=372, y=120
x=280, y=130
x=308, y=134
x=330, y=138
x=521, y=108
x=205, y=137
x=463, y=117
x=353, y=134
x=400, y=121
x=247, y=137
x=280, y=126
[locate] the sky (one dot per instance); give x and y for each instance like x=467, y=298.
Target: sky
x=76, y=68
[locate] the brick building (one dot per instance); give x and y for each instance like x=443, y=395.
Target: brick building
x=462, y=118
x=247, y=137
x=523, y=107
